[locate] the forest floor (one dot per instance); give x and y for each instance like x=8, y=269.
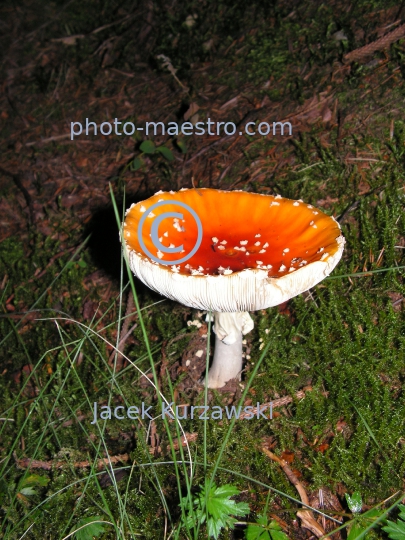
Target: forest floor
x=332, y=359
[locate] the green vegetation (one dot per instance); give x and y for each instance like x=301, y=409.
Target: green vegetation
x=215, y=506
x=396, y=531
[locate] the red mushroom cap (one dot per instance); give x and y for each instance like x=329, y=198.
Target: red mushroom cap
x=256, y=251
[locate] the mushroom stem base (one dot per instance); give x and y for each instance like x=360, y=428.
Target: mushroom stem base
x=227, y=363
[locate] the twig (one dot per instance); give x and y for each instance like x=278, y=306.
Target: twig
x=27, y=196
x=100, y=464
x=50, y=139
x=166, y=63
x=382, y=43
x=224, y=172
x=308, y=521
x=28, y=463
x=189, y=437
x=276, y=403
x=290, y=475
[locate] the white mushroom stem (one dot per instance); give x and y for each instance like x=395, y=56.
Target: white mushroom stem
x=227, y=363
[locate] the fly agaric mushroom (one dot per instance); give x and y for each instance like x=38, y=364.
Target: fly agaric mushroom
x=236, y=252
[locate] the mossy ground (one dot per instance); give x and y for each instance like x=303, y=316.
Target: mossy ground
x=64, y=294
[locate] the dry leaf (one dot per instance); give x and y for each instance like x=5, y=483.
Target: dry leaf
x=69, y=40
x=287, y=456
x=193, y=108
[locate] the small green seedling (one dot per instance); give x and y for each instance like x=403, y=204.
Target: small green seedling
x=88, y=528
x=148, y=147
x=354, y=502
x=214, y=505
x=361, y=522
x=28, y=485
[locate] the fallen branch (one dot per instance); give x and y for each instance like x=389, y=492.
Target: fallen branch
x=308, y=521
x=378, y=45
x=100, y=464
x=276, y=403
x=190, y=437
x=28, y=463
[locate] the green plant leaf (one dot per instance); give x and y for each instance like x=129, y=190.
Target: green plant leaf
x=354, y=502
x=148, y=147
x=396, y=530
x=264, y=530
x=255, y=532
x=216, y=507
x=278, y=535
x=401, y=508
x=182, y=145
x=168, y=154
x=355, y=530
x=91, y=528
x=35, y=479
x=363, y=522
x=219, y=505
x=136, y=164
